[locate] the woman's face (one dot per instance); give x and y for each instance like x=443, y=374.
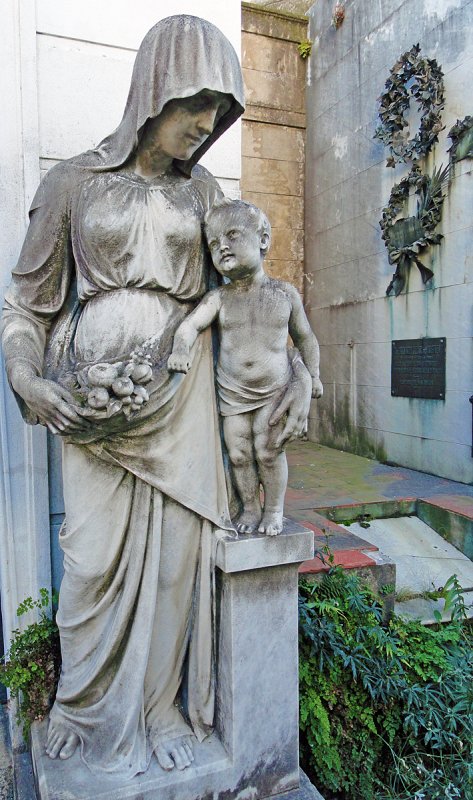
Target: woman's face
x=184, y=124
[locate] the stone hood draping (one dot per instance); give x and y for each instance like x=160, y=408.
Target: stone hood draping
x=179, y=57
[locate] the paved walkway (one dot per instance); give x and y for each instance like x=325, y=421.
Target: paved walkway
x=327, y=487
x=320, y=476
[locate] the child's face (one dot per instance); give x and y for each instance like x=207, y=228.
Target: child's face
x=236, y=246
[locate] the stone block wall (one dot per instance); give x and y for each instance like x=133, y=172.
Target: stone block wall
x=347, y=184
x=273, y=132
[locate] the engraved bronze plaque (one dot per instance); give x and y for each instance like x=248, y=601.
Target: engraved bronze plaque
x=418, y=368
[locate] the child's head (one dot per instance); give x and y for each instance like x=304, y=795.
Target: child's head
x=238, y=235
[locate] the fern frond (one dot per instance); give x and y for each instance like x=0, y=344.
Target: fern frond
x=431, y=192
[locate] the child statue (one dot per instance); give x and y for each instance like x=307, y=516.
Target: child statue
x=255, y=314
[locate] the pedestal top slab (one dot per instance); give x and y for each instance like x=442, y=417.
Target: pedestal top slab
x=255, y=551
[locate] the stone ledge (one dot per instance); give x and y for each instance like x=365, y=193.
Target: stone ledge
x=255, y=112
x=257, y=551
x=276, y=24
x=306, y=791
x=71, y=779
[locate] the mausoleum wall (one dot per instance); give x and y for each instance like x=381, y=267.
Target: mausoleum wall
x=347, y=185
x=273, y=132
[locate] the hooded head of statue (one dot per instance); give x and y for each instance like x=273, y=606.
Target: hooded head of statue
x=178, y=58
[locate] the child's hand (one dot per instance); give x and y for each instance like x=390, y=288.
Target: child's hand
x=179, y=362
x=317, y=388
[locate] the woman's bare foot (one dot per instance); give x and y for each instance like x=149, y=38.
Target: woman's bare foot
x=248, y=520
x=177, y=752
x=271, y=523
x=62, y=742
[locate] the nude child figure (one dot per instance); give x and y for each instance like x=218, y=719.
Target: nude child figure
x=255, y=314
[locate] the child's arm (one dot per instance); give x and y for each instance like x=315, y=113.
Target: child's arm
x=189, y=329
x=304, y=339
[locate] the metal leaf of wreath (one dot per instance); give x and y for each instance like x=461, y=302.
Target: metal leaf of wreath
x=462, y=139
x=422, y=79
x=406, y=237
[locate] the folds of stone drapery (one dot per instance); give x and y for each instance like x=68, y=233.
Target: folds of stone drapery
x=137, y=601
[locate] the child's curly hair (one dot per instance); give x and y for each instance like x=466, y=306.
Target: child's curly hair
x=254, y=215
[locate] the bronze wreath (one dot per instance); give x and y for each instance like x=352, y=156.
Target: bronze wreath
x=461, y=135
x=406, y=237
x=421, y=78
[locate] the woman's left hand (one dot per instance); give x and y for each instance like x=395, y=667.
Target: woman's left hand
x=296, y=402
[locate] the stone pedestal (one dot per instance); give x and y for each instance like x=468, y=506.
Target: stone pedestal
x=253, y=752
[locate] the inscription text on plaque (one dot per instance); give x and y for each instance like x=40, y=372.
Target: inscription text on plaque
x=418, y=368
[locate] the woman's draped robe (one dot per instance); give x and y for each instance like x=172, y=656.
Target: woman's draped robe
x=130, y=489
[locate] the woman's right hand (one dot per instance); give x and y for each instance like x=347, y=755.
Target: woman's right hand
x=53, y=405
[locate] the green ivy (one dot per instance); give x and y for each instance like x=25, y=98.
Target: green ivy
x=305, y=48
x=386, y=709
x=31, y=667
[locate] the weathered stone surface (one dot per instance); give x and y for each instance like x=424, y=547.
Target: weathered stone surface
x=274, y=116
x=23, y=777
x=306, y=791
x=271, y=20
x=278, y=90
x=264, y=141
x=281, y=58
x=347, y=185
x=284, y=211
x=273, y=135
x=272, y=175
x=235, y=555
x=287, y=243
x=456, y=526
x=6, y=760
x=291, y=271
x=254, y=750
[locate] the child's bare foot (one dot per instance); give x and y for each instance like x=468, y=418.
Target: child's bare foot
x=248, y=520
x=271, y=523
x=61, y=742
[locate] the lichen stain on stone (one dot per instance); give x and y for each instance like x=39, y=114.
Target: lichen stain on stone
x=341, y=303
x=338, y=430
x=383, y=32
x=262, y=780
x=340, y=145
x=249, y=793
x=440, y=8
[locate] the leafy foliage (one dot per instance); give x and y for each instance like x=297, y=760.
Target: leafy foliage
x=386, y=710
x=305, y=48
x=31, y=667
x=406, y=237
x=461, y=135
x=421, y=78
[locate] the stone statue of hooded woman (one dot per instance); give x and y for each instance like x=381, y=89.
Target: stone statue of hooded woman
x=113, y=261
